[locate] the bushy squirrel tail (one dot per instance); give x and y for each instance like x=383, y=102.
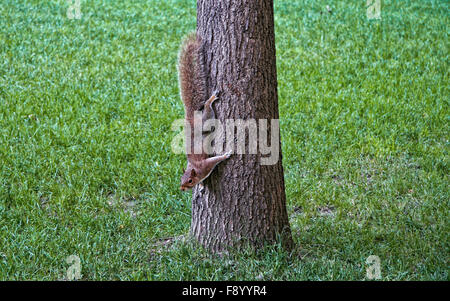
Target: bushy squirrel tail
x=192, y=77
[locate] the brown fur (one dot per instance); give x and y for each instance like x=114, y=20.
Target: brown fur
x=192, y=77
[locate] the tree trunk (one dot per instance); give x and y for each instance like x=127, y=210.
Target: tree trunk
x=243, y=202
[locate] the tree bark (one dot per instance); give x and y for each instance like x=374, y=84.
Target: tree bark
x=243, y=202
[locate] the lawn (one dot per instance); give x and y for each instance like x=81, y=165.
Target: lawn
x=86, y=168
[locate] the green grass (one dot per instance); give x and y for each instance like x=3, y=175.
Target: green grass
x=86, y=167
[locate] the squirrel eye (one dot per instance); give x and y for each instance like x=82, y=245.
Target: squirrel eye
x=190, y=181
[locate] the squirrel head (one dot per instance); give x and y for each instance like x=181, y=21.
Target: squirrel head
x=189, y=179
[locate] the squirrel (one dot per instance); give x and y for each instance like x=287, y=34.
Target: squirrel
x=192, y=80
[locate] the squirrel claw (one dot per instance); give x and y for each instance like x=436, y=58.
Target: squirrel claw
x=201, y=186
x=216, y=93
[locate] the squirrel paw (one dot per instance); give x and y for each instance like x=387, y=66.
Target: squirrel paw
x=201, y=186
x=228, y=154
x=213, y=98
x=216, y=93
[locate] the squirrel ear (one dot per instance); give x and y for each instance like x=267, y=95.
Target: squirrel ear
x=193, y=173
